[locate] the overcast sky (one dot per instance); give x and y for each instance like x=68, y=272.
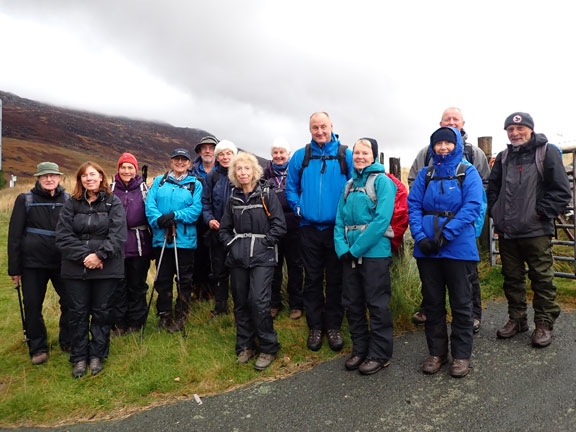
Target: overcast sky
x=252, y=70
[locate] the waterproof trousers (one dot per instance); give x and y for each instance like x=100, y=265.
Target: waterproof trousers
x=323, y=308
x=166, y=275
x=220, y=275
x=367, y=286
x=34, y=284
x=251, y=291
x=129, y=299
x=202, y=285
x=89, y=316
x=536, y=252
x=437, y=275
x=288, y=250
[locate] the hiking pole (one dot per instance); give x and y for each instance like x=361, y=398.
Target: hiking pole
x=178, y=288
x=17, y=287
x=155, y=279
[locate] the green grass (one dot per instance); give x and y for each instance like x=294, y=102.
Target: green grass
x=163, y=368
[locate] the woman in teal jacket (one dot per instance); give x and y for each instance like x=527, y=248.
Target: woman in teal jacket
x=364, y=212
x=173, y=205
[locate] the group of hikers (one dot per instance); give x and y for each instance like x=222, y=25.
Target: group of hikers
x=221, y=223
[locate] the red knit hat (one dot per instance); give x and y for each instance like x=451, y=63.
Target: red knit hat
x=129, y=158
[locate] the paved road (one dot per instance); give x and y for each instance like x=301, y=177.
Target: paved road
x=513, y=387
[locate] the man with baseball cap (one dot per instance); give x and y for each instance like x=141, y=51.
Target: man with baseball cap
x=527, y=189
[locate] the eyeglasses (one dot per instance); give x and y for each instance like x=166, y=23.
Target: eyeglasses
x=49, y=176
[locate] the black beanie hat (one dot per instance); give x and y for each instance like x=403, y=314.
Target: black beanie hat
x=443, y=134
x=374, y=145
x=519, y=118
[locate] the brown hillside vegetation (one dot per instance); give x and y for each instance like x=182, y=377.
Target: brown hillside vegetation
x=34, y=131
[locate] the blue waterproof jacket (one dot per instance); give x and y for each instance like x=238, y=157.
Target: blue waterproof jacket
x=447, y=195
x=315, y=196
x=175, y=198
x=358, y=210
x=215, y=194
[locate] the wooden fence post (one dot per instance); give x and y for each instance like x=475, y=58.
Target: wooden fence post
x=485, y=144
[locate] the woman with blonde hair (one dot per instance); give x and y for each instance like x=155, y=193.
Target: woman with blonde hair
x=251, y=226
x=91, y=234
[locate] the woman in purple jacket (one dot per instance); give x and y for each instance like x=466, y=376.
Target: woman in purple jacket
x=129, y=300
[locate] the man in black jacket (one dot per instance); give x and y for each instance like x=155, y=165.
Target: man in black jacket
x=33, y=258
x=527, y=189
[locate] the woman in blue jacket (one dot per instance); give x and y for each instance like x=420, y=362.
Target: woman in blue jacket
x=173, y=205
x=443, y=204
x=364, y=212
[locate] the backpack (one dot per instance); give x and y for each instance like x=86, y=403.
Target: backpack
x=143, y=189
x=540, y=156
x=264, y=192
x=341, y=158
x=460, y=176
x=29, y=202
x=190, y=186
x=399, y=220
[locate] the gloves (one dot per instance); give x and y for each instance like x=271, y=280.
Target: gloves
x=428, y=246
x=442, y=241
x=166, y=220
x=347, y=258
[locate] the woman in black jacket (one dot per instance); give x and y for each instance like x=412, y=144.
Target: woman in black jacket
x=91, y=234
x=251, y=226
x=33, y=258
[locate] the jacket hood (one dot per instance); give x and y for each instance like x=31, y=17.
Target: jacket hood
x=332, y=145
x=376, y=167
x=537, y=140
x=132, y=184
x=452, y=158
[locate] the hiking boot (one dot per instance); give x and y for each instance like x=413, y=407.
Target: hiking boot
x=165, y=320
x=119, y=331
x=460, y=368
x=335, y=339
x=371, y=366
x=79, y=369
x=295, y=314
x=263, y=361
x=512, y=327
x=244, y=356
x=133, y=329
x=477, y=323
x=177, y=325
x=433, y=364
x=419, y=318
x=354, y=361
x=542, y=336
x=95, y=365
x=274, y=312
x=315, y=340
x=219, y=309
x=39, y=358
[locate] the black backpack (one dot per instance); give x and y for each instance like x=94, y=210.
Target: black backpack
x=341, y=156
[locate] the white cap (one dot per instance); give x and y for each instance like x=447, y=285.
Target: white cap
x=224, y=144
x=280, y=142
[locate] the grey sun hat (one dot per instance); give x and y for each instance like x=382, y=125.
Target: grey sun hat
x=211, y=140
x=47, y=168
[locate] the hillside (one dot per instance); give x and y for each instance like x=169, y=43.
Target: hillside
x=33, y=132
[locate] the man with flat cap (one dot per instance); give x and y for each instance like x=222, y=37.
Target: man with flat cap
x=527, y=189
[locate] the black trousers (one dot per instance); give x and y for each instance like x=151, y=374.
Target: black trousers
x=129, y=299
x=89, y=315
x=367, y=286
x=166, y=275
x=439, y=274
x=288, y=250
x=251, y=291
x=323, y=308
x=34, y=284
x=202, y=266
x=220, y=275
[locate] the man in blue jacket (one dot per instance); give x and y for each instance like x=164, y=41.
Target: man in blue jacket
x=316, y=175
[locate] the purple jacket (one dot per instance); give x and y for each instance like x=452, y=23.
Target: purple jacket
x=278, y=182
x=139, y=239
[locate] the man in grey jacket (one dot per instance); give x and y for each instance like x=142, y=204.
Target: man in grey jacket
x=527, y=189
x=453, y=117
